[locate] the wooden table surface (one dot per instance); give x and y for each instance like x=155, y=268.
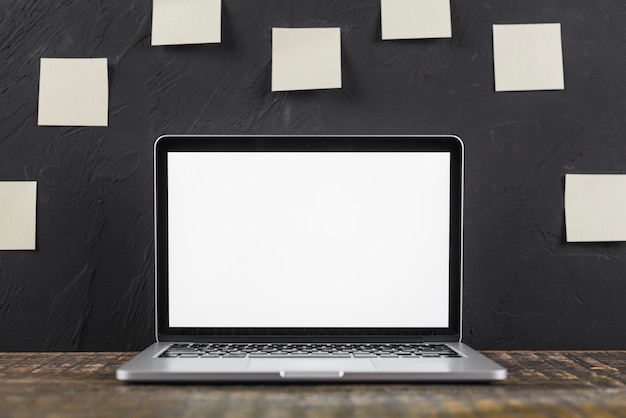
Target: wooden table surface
x=540, y=384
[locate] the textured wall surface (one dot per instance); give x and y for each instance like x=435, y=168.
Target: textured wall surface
x=89, y=285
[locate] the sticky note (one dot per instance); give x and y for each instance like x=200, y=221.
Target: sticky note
x=18, y=202
x=528, y=57
x=306, y=58
x=595, y=207
x=179, y=22
x=415, y=19
x=73, y=92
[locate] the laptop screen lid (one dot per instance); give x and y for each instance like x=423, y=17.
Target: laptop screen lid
x=310, y=239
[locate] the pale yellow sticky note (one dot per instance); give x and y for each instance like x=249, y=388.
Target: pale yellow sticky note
x=73, y=92
x=179, y=22
x=18, y=204
x=595, y=207
x=528, y=57
x=306, y=58
x=415, y=19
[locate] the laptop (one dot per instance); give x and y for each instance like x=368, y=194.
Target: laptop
x=308, y=258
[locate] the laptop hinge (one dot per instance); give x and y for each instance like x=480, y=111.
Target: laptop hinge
x=306, y=338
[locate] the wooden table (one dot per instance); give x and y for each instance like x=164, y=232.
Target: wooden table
x=540, y=384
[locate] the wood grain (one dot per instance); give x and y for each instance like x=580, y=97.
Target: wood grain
x=540, y=384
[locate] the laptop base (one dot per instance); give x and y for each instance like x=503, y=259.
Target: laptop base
x=470, y=367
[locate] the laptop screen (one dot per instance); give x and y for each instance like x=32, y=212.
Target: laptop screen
x=319, y=239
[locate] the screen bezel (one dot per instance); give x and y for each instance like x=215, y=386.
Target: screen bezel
x=182, y=143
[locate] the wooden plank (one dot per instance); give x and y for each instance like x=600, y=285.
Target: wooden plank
x=540, y=384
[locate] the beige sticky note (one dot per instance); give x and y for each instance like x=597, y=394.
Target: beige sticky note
x=595, y=207
x=18, y=203
x=306, y=58
x=415, y=19
x=179, y=22
x=528, y=57
x=73, y=92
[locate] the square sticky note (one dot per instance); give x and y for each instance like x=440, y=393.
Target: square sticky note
x=528, y=57
x=179, y=22
x=595, y=207
x=18, y=204
x=415, y=19
x=73, y=92
x=306, y=58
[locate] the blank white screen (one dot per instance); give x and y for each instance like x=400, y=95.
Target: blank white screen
x=308, y=239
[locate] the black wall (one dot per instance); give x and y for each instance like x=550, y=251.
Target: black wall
x=89, y=285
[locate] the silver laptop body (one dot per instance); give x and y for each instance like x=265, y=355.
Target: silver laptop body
x=308, y=258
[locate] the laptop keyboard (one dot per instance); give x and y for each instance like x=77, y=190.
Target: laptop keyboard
x=273, y=350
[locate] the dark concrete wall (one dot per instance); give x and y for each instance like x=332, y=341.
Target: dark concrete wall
x=89, y=285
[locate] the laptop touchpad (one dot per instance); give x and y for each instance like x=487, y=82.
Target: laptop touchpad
x=310, y=365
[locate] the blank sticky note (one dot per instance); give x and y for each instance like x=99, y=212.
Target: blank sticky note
x=415, y=19
x=179, y=22
x=18, y=203
x=73, y=92
x=595, y=207
x=528, y=57
x=306, y=58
